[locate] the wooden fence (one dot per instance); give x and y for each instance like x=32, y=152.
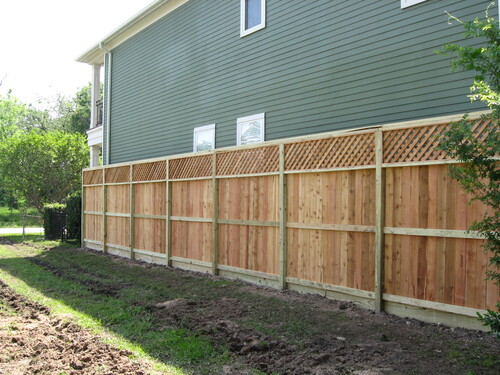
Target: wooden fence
x=369, y=216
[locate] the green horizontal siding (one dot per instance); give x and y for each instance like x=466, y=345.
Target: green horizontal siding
x=319, y=65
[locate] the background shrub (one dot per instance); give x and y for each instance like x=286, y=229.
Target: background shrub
x=50, y=227
x=74, y=217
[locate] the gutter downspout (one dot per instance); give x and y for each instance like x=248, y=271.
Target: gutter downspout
x=108, y=100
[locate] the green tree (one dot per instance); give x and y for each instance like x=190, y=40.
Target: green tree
x=43, y=167
x=12, y=115
x=16, y=116
x=79, y=119
x=59, y=113
x=73, y=115
x=479, y=174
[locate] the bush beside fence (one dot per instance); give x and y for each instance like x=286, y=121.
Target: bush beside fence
x=54, y=221
x=73, y=213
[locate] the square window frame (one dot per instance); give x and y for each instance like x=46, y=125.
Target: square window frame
x=409, y=3
x=261, y=25
x=200, y=129
x=241, y=120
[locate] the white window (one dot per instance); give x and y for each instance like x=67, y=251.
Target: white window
x=250, y=129
x=253, y=16
x=204, y=138
x=409, y=3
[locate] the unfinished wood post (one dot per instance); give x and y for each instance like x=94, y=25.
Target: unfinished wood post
x=283, y=219
x=379, y=222
x=82, y=229
x=215, y=216
x=104, y=208
x=132, y=213
x=168, y=223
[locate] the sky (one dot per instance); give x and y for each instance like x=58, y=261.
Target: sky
x=40, y=40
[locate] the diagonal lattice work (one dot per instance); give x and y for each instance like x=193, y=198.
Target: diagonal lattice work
x=117, y=174
x=334, y=152
x=149, y=171
x=93, y=177
x=248, y=161
x=191, y=167
x=421, y=143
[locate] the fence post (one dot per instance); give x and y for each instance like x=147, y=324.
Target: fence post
x=104, y=208
x=283, y=219
x=168, y=223
x=82, y=229
x=24, y=227
x=215, y=215
x=379, y=221
x=132, y=213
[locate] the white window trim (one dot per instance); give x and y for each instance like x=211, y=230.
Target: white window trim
x=200, y=129
x=243, y=12
x=409, y=3
x=242, y=120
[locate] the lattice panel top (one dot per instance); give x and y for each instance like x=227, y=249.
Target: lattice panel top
x=420, y=143
x=117, y=174
x=93, y=177
x=482, y=128
x=335, y=152
x=149, y=171
x=192, y=167
x=248, y=161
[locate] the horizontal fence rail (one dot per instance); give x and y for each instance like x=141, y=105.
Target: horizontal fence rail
x=369, y=216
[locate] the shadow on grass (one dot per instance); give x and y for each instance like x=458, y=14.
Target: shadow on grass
x=118, y=297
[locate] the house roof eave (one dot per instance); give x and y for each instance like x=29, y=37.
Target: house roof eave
x=143, y=19
x=94, y=55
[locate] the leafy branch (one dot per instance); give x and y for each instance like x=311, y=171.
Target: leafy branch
x=479, y=172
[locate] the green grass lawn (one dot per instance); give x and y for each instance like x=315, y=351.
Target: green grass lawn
x=14, y=219
x=121, y=320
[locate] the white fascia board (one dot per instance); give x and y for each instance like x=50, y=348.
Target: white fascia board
x=143, y=19
x=94, y=136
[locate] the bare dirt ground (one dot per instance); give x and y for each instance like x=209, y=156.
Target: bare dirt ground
x=361, y=343
x=33, y=342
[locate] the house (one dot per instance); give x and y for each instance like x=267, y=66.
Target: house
x=190, y=75
x=281, y=190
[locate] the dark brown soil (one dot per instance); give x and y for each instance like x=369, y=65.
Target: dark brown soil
x=341, y=338
x=363, y=344
x=95, y=286
x=33, y=342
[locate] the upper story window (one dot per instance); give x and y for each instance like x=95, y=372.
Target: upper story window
x=250, y=129
x=408, y=3
x=204, y=138
x=253, y=16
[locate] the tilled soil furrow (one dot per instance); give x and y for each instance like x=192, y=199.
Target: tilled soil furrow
x=34, y=342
